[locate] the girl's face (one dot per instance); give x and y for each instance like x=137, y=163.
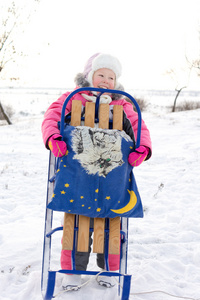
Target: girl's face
x=104, y=78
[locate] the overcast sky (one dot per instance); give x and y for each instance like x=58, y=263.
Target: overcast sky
x=148, y=37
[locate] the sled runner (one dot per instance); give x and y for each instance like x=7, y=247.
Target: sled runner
x=94, y=165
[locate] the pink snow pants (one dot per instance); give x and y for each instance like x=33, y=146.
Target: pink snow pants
x=66, y=261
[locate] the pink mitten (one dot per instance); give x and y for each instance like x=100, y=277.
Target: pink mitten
x=138, y=156
x=57, y=146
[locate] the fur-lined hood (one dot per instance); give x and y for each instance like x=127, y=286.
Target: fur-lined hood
x=81, y=81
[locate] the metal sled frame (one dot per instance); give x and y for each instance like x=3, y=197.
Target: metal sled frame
x=48, y=276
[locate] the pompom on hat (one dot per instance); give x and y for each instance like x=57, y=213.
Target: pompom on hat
x=96, y=62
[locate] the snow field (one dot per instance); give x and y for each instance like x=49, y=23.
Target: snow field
x=164, y=248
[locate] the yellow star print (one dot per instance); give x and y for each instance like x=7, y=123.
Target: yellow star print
x=63, y=192
x=53, y=195
x=67, y=185
x=71, y=201
x=97, y=190
x=81, y=197
x=98, y=209
x=108, y=198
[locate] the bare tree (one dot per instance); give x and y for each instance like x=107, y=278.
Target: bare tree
x=13, y=21
x=190, y=66
x=9, y=22
x=180, y=85
x=177, y=94
x=4, y=114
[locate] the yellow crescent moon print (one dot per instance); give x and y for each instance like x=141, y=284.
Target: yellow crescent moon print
x=129, y=206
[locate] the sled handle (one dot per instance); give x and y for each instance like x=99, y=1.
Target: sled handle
x=102, y=91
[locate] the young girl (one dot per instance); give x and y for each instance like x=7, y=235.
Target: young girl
x=101, y=71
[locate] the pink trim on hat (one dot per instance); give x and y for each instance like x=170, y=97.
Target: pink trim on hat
x=88, y=66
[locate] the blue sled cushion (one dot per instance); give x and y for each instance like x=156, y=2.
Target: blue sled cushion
x=94, y=178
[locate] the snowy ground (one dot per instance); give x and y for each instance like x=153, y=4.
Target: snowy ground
x=164, y=246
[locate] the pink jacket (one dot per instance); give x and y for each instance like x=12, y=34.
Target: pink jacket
x=53, y=115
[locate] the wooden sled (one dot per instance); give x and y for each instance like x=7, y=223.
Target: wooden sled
x=76, y=228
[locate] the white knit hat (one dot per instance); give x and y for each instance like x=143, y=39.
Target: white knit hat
x=99, y=61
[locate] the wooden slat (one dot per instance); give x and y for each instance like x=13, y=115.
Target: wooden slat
x=84, y=222
x=68, y=226
x=83, y=234
x=98, y=238
x=104, y=116
x=68, y=232
x=114, y=228
x=118, y=117
x=89, y=114
x=114, y=236
x=99, y=223
x=76, y=113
